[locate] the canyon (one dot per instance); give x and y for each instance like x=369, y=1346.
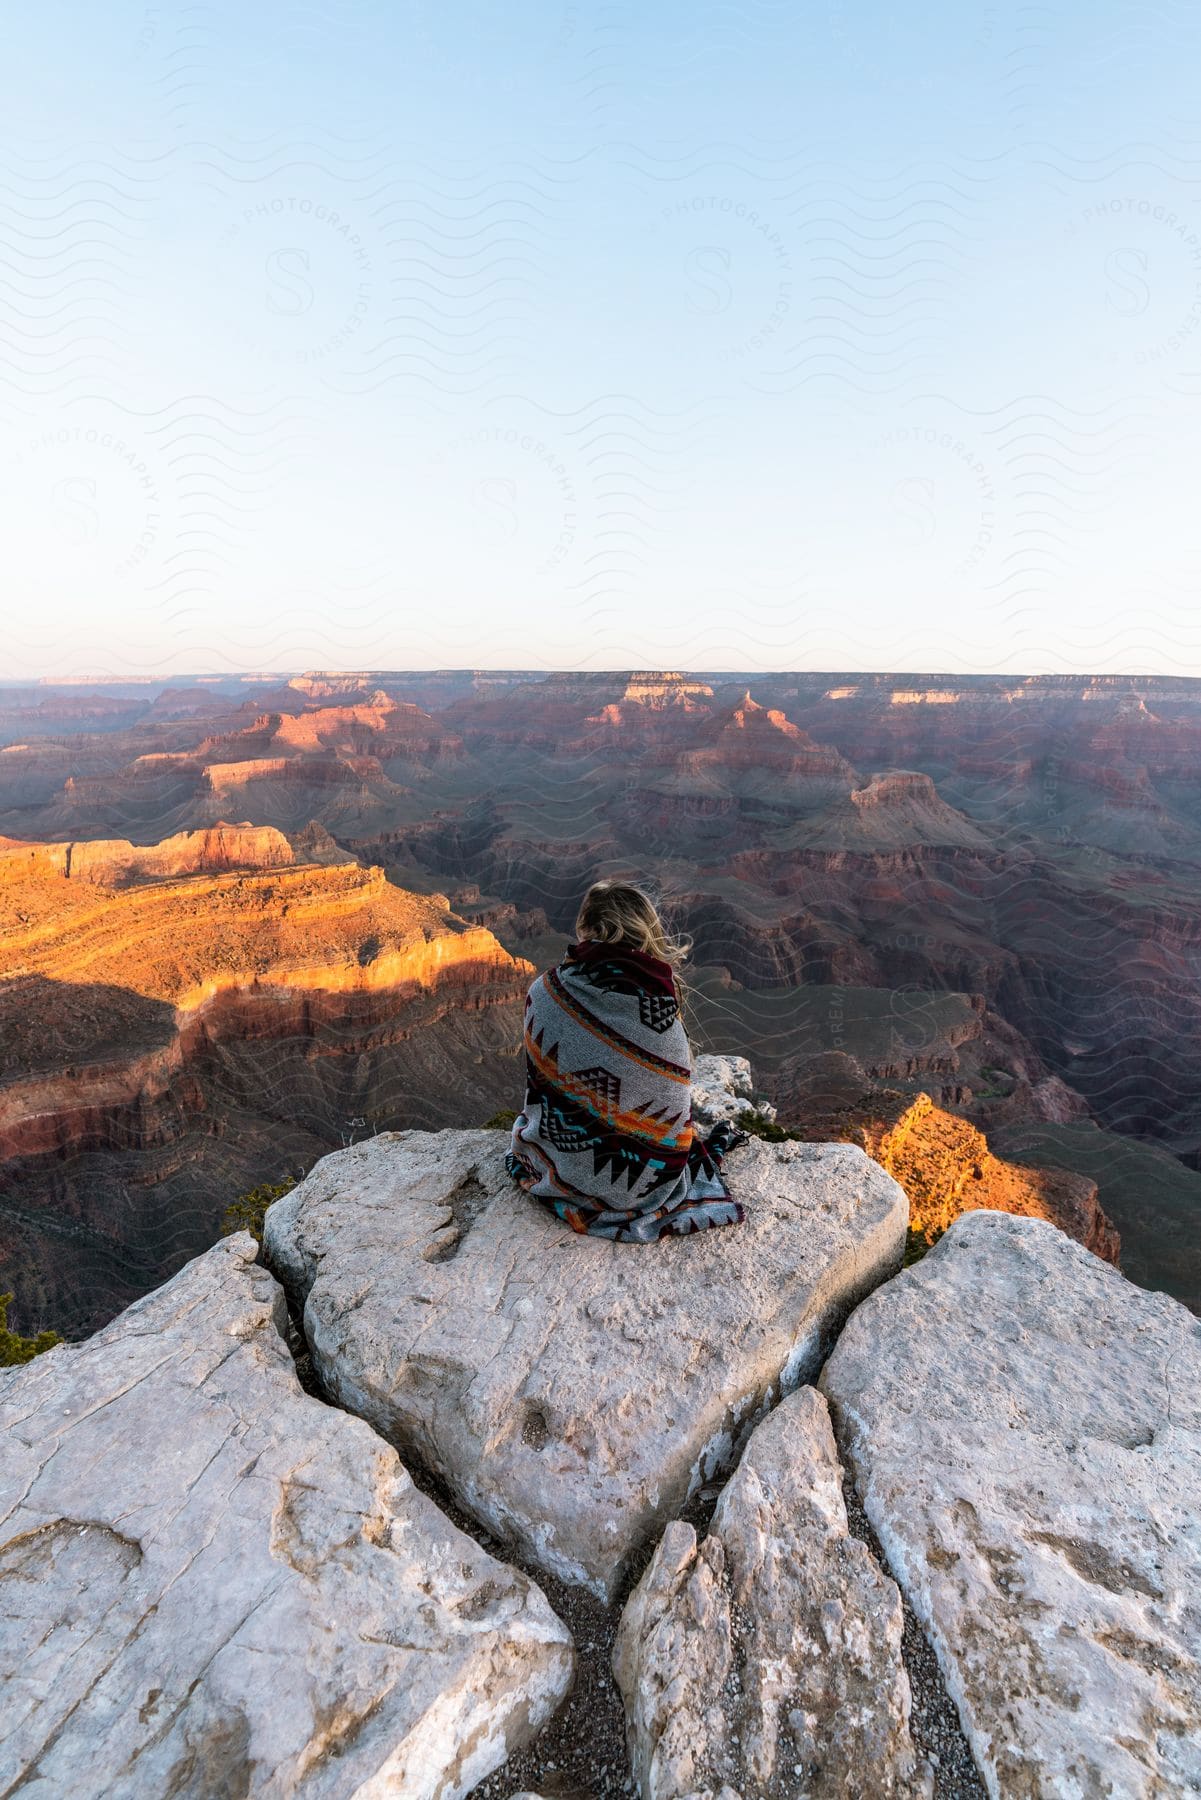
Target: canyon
x=981, y=892
x=183, y=1021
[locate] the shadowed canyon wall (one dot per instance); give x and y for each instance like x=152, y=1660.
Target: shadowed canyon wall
x=175, y=1029
x=986, y=889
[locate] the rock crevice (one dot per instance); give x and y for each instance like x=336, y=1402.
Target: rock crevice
x=767, y=1657
x=1024, y=1427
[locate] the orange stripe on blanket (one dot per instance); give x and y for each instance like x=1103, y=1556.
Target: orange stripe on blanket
x=675, y=1134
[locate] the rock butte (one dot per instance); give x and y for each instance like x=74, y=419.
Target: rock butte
x=481, y=1335
x=125, y=972
x=210, y=850
x=215, y=1584
x=946, y=1168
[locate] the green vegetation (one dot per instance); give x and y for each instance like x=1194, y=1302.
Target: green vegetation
x=500, y=1121
x=917, y=1244
x=757, y=1126
x=16, y=1349
x=247, y=1212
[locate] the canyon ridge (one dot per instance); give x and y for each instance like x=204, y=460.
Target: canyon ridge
x=952, y=921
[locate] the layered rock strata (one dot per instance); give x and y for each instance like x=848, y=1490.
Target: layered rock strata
x=106, y=993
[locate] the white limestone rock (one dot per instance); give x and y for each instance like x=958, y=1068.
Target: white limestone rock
x=212, y=1583
x=768, y=1658
x=1025, y=1428
x=722, y=1087
x=572, y=1392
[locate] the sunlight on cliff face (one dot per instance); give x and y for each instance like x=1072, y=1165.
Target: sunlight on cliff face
x=70, y=913
x=946, y=1168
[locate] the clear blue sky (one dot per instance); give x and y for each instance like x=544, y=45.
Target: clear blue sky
x=761, y=335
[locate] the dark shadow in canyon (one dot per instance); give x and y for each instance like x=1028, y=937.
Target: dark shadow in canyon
x=116, y=1169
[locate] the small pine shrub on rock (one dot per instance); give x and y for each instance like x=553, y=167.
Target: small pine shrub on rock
x=500, y=1121
x=248, y=1211
x=15, y=1349
x=756, y=1125
x=917, y=1243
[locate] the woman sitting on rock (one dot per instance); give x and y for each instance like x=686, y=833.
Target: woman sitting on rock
x=606, y=1135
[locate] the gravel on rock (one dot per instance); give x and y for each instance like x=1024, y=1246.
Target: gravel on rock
x=933, y=1721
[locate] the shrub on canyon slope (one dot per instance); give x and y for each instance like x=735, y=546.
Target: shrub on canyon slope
x=247, y=1212
x=16, y=1349
x=917, y=1242
x=756, y=1125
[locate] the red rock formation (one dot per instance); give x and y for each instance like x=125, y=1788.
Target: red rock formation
x=334, y=927
x=152, y=996
x=295, y=772
x=581, y=714
x=383, y=729
x=753, y=737
x=114, y=861
x=946, y=1168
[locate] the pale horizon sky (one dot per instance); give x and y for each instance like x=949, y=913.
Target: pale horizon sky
x=602, y=337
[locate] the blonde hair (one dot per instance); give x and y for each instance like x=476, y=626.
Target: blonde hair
x=617, y=912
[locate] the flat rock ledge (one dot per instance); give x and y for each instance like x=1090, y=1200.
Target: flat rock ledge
x=572, y=1393
x=214, y=1584
x=1025, y=1429
x=767, y=1659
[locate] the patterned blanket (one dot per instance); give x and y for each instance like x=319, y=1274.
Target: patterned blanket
x=606, y=1135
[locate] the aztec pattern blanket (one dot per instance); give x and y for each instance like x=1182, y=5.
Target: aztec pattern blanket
x=606, y=1134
